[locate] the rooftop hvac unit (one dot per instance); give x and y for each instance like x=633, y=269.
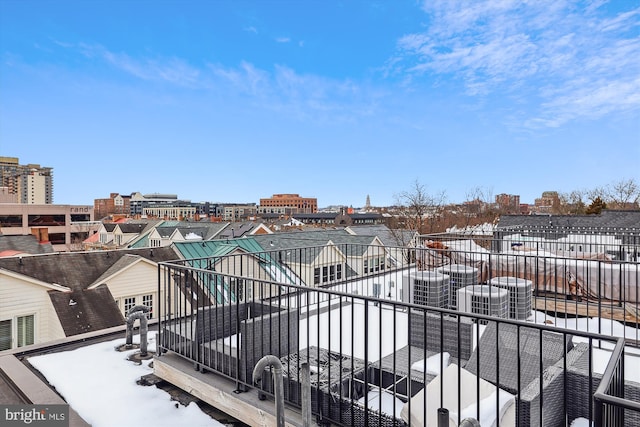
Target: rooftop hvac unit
x=426, y=288
x=520, y=291
x=484, y=299
x=460, y=275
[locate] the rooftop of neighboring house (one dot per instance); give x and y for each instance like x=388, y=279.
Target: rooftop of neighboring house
x=313, y=241
x=606, y=219
x=81, y=302
x=237, y=229
x=385, y=234
x=26, y=244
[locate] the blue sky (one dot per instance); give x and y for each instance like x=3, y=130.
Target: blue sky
x=232, y=101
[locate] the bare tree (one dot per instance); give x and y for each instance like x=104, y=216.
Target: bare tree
x=572, y=203
x=623, y=194
x=479, y=205
x=419, y=209
x=598, y=192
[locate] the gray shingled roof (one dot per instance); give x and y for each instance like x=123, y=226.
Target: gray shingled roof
x=312, y=242
x=109, y=226
x=607, y=219
x=236, y=229
x=86, y=310
x=132, y=227
x=77, y=270
x=613, y=222
x=28, y=244
x=384, y=233
x=208, y=230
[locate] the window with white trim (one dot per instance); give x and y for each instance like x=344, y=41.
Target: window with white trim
x=25, y=330
x=147, y=300
x=129, y=303
x=24, y=333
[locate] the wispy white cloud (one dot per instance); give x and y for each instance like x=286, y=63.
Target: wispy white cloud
x=282, y=89
x=169, y=70
x=251, y=30
x=306, y=97
x=573, y=58
x=245, y=78
x=283, y=39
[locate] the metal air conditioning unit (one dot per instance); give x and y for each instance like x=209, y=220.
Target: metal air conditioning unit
x=460, y=275
x=484, y=299
x=426, y=288
x=520, y=295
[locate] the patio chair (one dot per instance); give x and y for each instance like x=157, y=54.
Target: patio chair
x=528, y=363
x=512, y=356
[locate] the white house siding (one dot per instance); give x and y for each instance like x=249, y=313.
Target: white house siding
x=376, y=260
x=328, y=256
x=241, y=264
x=135, y=281
x=22, y=298
x=249, y=266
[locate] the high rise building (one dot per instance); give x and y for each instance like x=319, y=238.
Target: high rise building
x=31, y=183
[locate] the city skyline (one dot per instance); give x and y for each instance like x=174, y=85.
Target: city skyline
x=235, y=101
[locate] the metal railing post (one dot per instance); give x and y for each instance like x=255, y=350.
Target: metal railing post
x=306, y=394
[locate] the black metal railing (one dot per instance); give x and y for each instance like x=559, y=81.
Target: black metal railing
x=567, y=290
x=379, y=349
x=616, y=401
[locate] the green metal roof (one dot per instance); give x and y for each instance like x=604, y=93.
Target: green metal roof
x=170, y=224
x=200, y=252
x=215, y=248
x=141, y=242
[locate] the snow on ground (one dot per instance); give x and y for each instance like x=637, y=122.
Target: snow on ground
x=327, y=331
x=100, y=384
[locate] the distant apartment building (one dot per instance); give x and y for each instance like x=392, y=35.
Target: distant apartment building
x=165, y=206
x=508, y=203
x=64, y=226
x=116, y=204
x=239, y=212
x=288, y=204
x=170, y=207
x=31, y=183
